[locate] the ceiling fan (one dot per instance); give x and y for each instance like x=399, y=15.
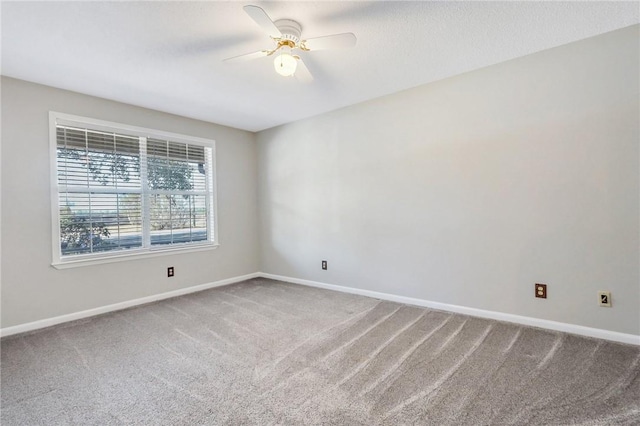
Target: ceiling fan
x=286, y=34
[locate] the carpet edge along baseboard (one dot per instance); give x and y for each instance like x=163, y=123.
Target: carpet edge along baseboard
x=500, y=316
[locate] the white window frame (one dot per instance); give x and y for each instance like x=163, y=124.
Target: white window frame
x=63, y=262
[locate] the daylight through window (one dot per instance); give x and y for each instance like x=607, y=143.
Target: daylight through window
x=120, y=193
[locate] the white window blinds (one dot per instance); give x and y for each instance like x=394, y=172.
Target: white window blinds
x=176, y=179
x=120, y=192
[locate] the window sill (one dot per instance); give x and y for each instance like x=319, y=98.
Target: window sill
x=78, y=262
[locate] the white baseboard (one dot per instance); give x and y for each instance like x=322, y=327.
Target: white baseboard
x=35, y=325
x=500, y=316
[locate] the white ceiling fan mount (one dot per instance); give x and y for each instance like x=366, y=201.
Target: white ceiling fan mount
x=290, y=29
x=287, y=35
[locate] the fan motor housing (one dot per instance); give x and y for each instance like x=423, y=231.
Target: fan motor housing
x=290, y=29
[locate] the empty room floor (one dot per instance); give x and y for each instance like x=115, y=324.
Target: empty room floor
x=268, y=352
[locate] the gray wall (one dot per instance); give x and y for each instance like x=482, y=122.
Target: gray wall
x=31, y=288
x=465, y=191
x=469, y=190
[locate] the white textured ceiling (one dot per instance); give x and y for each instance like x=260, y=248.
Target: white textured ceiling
x=168, y=55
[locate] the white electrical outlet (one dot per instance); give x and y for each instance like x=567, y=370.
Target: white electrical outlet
x=604, y=298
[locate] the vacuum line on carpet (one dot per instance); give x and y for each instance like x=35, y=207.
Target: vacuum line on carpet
x=513, y=341
x=180, y=311
x=241, y=327
x=178, y=354
x=620, y=385
x=469, y=397
x=334, y=351
x=359, y=336
x=404, y=357
x=552, y=352
x=367, y=361
x=375, y=353
x=175, y=386
x=262, y=305
x=434, y=387
x=531, y=375
x=235, y=305
x=193, y=339
x=316, y=336
x=543, y=403
x=85, y=364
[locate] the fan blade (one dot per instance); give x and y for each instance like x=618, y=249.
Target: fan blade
x=335, y=41
x=248, y=56
x=261, y=18
x=302, y=72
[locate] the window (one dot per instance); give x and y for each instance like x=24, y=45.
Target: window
x=124, y=191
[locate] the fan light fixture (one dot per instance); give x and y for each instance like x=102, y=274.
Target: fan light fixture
x=286, y=34
x=285, y=64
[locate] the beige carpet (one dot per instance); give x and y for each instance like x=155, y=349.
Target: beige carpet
x=266, y=352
